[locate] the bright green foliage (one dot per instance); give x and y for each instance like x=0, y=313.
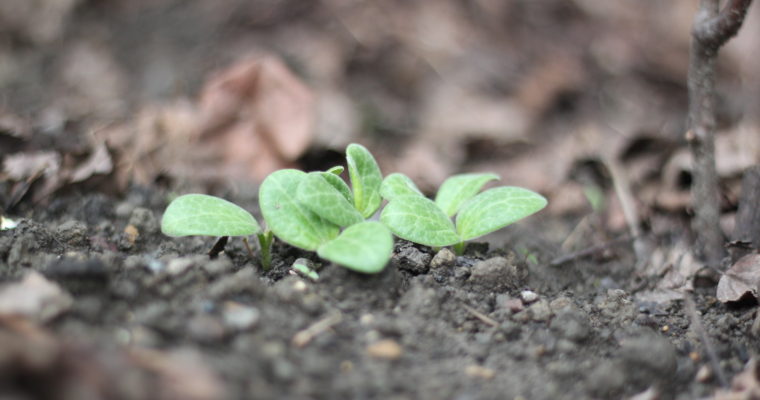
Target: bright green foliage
x=364, y=247
x=338, y=183
x=366, y=179
x=496, y=208
x=200, y=214
x=460, y=188
x=288, y=218
x=308, y=210
x=336, y=170
x=418, y=219
x=319, y=196
x=397, y=184
x=304, y=270
x=411, y=216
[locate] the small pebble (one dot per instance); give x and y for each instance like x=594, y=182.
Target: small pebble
x=73, y=233
x=510, y=303
x=497, y=274
x=130, y=234
x=704, y=374
x=477, y=371
x=178, y=266
x=411, y=259
x=238, y=316
x=386, y=349
x=443, y=258
x=540, y=311
x=528, y=296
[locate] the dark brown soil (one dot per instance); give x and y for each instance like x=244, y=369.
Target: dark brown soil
x=424, y=328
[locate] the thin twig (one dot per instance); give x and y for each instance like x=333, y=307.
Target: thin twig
x=479, y=315
x=712, y=356
x=712, y=28
x=248, y=248
x=624, y=193
x=589, y=251
x=302, y=338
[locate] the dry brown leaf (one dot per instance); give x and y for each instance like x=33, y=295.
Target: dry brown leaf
x=98, y=163
x=745, y=386
x=22, y=166
x=676, y=268
x=251, y=119
x=34, y=297
x=259, y=113
x=743, y=277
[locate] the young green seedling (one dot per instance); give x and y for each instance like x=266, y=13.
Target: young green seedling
x=204, y=215
x=412, y=216
x=308, y=210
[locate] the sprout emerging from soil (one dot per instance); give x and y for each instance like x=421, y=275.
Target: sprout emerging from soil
x=308, y=210
x=204, y=215
x=412, y=216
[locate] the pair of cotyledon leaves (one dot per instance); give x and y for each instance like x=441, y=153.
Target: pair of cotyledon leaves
x=308, y=211
x=412, y=216
x=304, y=210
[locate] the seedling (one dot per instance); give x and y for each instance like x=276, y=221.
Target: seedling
x=204, y=215
x=412, y=216
x=308, y=210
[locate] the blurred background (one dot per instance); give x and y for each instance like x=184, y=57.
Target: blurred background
x=551, y=94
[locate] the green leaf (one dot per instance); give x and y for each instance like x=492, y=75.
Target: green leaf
x=336, y=170
x=397, y=184
x=290, y=220
x=418, y=219
x=364, y=247
x=458, y=189
x=319, y=196
x=339, y=184
x=366, y=179
x=496, y=208
x=200, y=214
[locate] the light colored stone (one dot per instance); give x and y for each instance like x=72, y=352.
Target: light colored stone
x=386, y=349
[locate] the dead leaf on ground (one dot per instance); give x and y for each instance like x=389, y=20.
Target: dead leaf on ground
x=251, y=119
x=259, y=113
x=44, y=172
x=742, y=278
x=745, y=386
x=676, y=267
x=34, y=297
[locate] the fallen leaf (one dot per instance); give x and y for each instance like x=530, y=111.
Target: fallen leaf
x=386, y=349
x=745, y=385
x=98, y=163
x=34, y=297
x=251, y=119
x=742, y=278
x=259, y=113
x=21, y=166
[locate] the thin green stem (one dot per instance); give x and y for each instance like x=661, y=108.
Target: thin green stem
x=459, y=248
x=265, y=247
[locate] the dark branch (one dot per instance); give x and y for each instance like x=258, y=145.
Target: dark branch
x=711, y=30
x=714, y=31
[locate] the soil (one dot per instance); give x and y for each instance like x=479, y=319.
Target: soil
x=155, y=317
x=110, y=108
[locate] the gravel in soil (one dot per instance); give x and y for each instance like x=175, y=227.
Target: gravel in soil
x=96, y=303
